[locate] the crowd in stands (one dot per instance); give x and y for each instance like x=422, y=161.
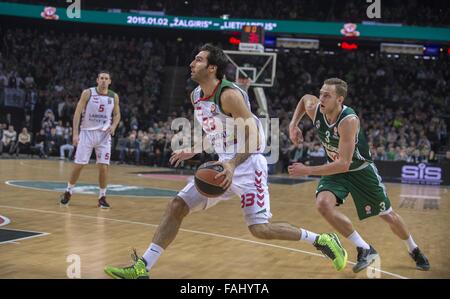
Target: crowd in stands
x=402, y=101
x=412, y=12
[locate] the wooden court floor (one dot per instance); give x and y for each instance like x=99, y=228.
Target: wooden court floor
x=211, y=244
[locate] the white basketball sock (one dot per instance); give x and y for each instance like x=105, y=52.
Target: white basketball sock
x=307, y=236
x=102, y=193
x=411, y=244
x=70, y=188
x=152, y=255
x=356, y=239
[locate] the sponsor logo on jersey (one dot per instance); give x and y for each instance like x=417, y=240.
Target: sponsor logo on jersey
x=335, y=132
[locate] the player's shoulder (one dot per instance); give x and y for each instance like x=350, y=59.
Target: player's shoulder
x=230, y=93
x=196, y=91
x=348, y=111
x=86, y=92
x=195, y=94
x=349, y=120
x=112, y=93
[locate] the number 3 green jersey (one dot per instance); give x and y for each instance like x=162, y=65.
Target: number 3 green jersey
x=329, y=137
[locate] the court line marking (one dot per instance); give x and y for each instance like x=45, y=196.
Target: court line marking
x=195, y=232
x=11, y=183
x=406, y=211
x=420, y=196
x=40, y=234
x=6, y=220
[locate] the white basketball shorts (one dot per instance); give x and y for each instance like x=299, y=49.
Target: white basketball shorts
x=94, y=139
x=249, y=183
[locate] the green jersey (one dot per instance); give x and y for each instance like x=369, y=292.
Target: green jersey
x=329, y=137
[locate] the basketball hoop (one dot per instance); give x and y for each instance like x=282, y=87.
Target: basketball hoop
x=244, y=83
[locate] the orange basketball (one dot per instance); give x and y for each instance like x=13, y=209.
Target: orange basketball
x=205, y=182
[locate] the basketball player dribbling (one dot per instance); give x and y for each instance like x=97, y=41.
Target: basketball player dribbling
x=245, y=173
x=99, y=112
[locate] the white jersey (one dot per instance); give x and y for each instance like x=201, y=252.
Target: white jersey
x=214, y=122
x=97, y=115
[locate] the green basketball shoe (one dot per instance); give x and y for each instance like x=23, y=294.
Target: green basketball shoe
x=135, y=271
x=330, y=245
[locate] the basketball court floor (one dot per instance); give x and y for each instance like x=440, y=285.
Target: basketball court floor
x=41, y=239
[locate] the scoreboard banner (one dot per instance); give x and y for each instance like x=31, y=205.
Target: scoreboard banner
x=332, y=29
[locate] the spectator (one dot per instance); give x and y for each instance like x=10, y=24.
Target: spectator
x=381, y=154
x=130, y=150
x=391, y=153
x=147, y=150
x=9, y=139
x=2, y=128
x=53, y=142
x=317, y=151
x=40, y=143
x=298, y=153
x=24, y=142
x=67, y=146
x=48, y=121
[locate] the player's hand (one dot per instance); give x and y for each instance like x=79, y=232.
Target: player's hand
x=178, y=156
x=227, y=173
x=295, y=134
x=298, y=169
x=111, y=130
x=75, y=139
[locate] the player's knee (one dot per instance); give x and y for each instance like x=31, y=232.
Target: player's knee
x=260, y=231
x=390, y=218
x=102, y=167
x=178, y=208
x=325, y=204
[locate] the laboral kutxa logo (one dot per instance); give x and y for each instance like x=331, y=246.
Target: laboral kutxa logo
x=83, y=188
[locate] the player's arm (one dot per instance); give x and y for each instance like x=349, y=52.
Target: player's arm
x=347, y=132
x=116, y=115
x=233, y=103
x=307, y=104
x=77, y=116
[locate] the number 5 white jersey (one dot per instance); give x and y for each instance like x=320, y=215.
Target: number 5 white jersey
x=97, y=114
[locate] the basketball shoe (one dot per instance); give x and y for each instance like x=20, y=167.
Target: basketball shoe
x=330, y=245
x=135, y=271
x=65, y=198
x=102, y=203
x=365, y=258
x=421, y=260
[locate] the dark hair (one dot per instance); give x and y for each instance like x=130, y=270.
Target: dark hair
x=104, y=72
x=216, y=57
x=341, y=86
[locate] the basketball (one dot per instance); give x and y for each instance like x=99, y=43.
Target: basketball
x=205, y=182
